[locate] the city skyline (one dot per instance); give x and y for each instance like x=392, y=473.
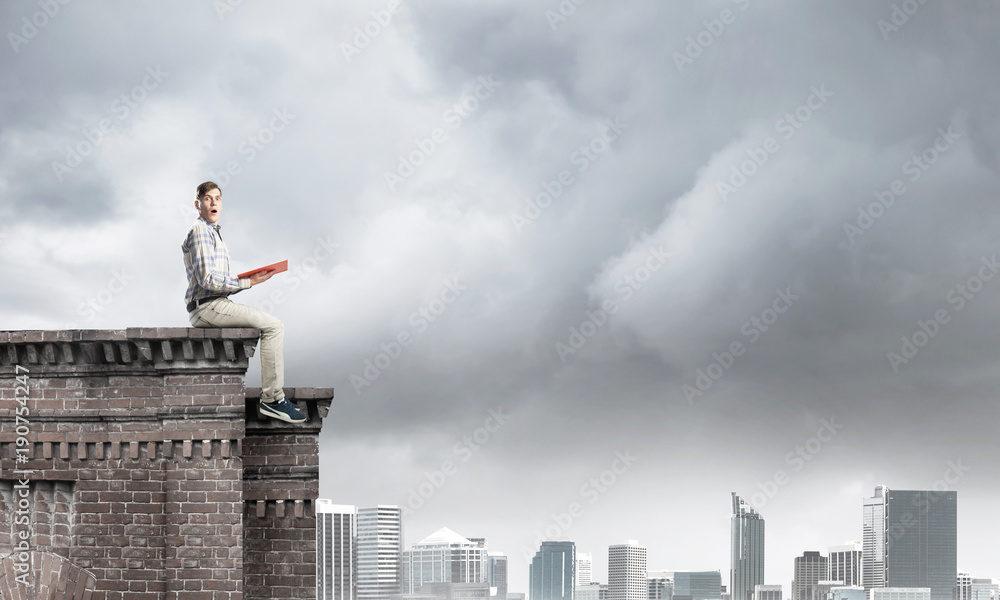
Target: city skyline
x=845, y=558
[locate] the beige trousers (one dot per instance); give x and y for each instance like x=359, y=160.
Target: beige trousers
x=223, y=312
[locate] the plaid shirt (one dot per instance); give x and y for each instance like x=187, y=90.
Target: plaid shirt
x=206, y=260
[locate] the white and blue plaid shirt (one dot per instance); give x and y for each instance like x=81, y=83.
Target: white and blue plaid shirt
x=206, y=260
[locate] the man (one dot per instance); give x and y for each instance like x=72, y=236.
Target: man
x=206, y=259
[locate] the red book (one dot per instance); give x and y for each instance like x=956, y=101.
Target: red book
x=277, y=267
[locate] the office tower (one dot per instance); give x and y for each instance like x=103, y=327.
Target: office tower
x=810, y=569
x=698, y=585
x=336, y=529
x=379, y=552
x=747, y=550
x=766, y=592
x=915, y=546
x=552, y=574
x=660, y=585
x=496, y=573
x=901, y=593
x=584, y=569
x=845, y=564
x=985, y=589
x=627, y=572
x=873, y=540
x=444, y=557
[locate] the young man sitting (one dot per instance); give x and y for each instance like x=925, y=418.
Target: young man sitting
x=206, y=259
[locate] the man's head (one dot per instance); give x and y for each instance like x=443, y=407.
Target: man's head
x=209, y=201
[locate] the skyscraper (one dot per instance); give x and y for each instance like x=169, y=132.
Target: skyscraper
x=810, y=569
x=746, y=550
x=919, y=540
x=552, y=575
x=584, y=569
x=845, y=564
x=444, y=557
x=496, y=574
x=627, y=572
x=379, y=552
x=873, y=540
x=336, y=529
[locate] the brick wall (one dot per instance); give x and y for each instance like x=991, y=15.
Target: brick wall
x=145, y=461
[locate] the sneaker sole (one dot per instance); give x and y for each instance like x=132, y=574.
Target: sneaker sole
x=274, y=414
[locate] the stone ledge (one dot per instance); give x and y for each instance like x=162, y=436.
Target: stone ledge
x=165, y=350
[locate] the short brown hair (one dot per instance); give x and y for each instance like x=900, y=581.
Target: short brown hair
x=207, y=187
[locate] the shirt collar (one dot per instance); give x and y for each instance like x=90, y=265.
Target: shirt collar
x=216, y=226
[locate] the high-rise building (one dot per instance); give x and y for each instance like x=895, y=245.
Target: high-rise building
x=584, y=569
x=336, y=531
x=810, y=569
x=873, y=540
x=911, y=541
x=379, y=552
x=444, y=557
x=552, y=574
x=627, y=572
x=747, y=550
x=698, y=585
x=766, y=592
x=845, y=564
x=660, y=584
x=496, y=573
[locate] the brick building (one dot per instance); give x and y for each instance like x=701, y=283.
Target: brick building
x=133, y=467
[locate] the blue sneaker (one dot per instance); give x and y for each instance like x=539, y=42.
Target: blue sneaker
x=282, y=409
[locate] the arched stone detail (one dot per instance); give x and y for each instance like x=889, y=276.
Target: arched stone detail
x=50, y=577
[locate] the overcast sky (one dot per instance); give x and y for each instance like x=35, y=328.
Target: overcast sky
x=562, y=215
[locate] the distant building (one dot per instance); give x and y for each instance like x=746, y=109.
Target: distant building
x=336, y=529
x=627, y=572
x=746, y=568
x=810, y=569
x=891, y=593
x=594, y=591
x=457, y=591
x=584, y=569
x=848, y=592
x=766, y=592
x=379, y=558
x=910, y=541
x=697, y=585
x=660, y=585
x=963, y=587
x=496, y=573
x=845, y=564
x=444, y=557
x=552, y=574
x=985, y=589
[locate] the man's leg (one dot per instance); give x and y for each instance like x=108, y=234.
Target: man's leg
x=226, y=313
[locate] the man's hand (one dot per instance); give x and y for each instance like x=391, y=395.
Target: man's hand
x=260, y=277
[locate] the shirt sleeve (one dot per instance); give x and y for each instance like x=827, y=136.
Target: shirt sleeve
x=205, y=260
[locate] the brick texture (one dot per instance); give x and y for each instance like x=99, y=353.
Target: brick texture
x=152, y=477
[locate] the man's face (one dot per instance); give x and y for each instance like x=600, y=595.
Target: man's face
x=210, y=206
